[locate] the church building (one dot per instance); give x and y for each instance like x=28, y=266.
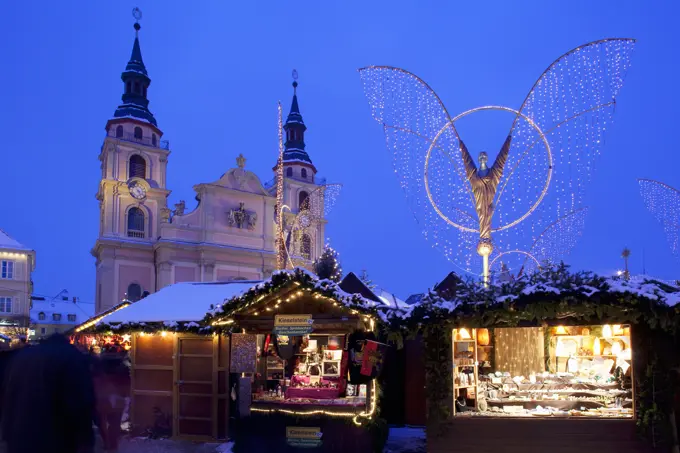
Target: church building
x=144, y=245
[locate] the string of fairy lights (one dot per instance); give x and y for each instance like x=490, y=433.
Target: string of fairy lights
x=663, y=201
x=320, y=202
x=280, y=244
x=572, y=104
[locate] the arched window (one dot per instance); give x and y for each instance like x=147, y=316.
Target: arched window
x=153, y=139
x=303, y=200
x=138, y=132
x=306, y=249
x=134, y=292
x=144, y=90
x=303, y=173
x=128, y=87
x=137, y=90
x=41, y=316
x=119, y=131
x=135, y=224
x=137, y=167
x=289, y=172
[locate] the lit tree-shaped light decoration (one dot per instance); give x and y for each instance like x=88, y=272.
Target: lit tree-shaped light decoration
x=327, y=266
x=663, y=201
x=534, y=189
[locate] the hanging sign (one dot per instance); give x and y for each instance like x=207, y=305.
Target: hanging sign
x=303, y=437
x=293, y=325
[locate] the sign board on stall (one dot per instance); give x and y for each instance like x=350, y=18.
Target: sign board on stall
x=303, y=437
x=293, y=325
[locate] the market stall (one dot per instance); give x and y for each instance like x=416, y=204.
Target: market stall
x=179, y=367
x=555, y=361
x=304, y=361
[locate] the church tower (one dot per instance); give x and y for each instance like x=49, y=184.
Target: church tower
x=300, y=179
x=132, y=191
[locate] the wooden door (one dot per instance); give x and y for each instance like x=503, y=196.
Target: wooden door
x=196, y=387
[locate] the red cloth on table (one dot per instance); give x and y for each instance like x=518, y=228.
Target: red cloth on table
x=316, y=393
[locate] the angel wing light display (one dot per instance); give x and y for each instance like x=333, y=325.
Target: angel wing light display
x=663, y=201
x=527, y=206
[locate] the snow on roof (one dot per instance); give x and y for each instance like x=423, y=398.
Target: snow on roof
x=180, y=302
x=389, y=298
x=7, y=242
x=82, y=311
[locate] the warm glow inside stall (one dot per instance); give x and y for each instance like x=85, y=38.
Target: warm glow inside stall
x=557, y=361
x=561, y=371
x=305, y=356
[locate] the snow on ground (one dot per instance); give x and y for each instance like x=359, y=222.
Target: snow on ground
x=406, y=440
x=401, y=440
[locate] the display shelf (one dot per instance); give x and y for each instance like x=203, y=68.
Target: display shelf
x=465, y=350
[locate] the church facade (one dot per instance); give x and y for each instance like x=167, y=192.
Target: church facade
x=144, y=245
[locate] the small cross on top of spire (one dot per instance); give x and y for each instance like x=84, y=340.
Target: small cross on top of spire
x=295, y=84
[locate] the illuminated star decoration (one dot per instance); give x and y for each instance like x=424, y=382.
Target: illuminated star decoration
x=538, y=208
x=663, y=201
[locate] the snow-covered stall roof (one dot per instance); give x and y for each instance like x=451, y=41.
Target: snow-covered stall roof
x=179, y=302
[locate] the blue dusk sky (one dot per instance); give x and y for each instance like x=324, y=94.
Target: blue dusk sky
x=219, y=67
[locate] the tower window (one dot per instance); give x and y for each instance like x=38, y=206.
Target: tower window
x=134, y=292
x=303, y=200
x=138, y=132
x=289, y=172
x=128, y=87
x=137, y=167
x=303, y=172
x=144, y=90
x=137, y=88
x=153, y=139
x=135, y=224
x=306, y=250
x=119, y=131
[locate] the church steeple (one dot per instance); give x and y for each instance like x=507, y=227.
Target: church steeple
x=295, y=128
x=136, y=82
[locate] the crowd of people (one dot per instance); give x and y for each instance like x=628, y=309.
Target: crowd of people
x=53, y=395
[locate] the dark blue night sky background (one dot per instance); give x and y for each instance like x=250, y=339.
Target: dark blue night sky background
x=218, y=68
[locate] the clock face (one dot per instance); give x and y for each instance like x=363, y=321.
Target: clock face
x=137, y=191
x=305, y=221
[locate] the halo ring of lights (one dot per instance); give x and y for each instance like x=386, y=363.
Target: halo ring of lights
x=451, y=124
x=522, y=252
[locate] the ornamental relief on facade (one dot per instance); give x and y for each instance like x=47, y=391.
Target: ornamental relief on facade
x=241, y=218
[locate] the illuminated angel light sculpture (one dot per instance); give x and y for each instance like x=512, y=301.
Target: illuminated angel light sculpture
x=527, y=205
x=663, y=201
x=299, y=230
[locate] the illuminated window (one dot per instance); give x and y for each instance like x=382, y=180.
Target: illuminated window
x=134, y=292
x=135, y=223
x=119, y=131
x=5, y=305
x=41, y=316
x=137, y=167
x=7, y=269
x=138, y=133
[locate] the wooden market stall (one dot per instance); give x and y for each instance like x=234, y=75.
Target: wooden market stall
x=556, y=363
x=305, y=357
x=179, y=368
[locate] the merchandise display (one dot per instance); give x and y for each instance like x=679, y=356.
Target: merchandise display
x=316, y=373
x=544, y=372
